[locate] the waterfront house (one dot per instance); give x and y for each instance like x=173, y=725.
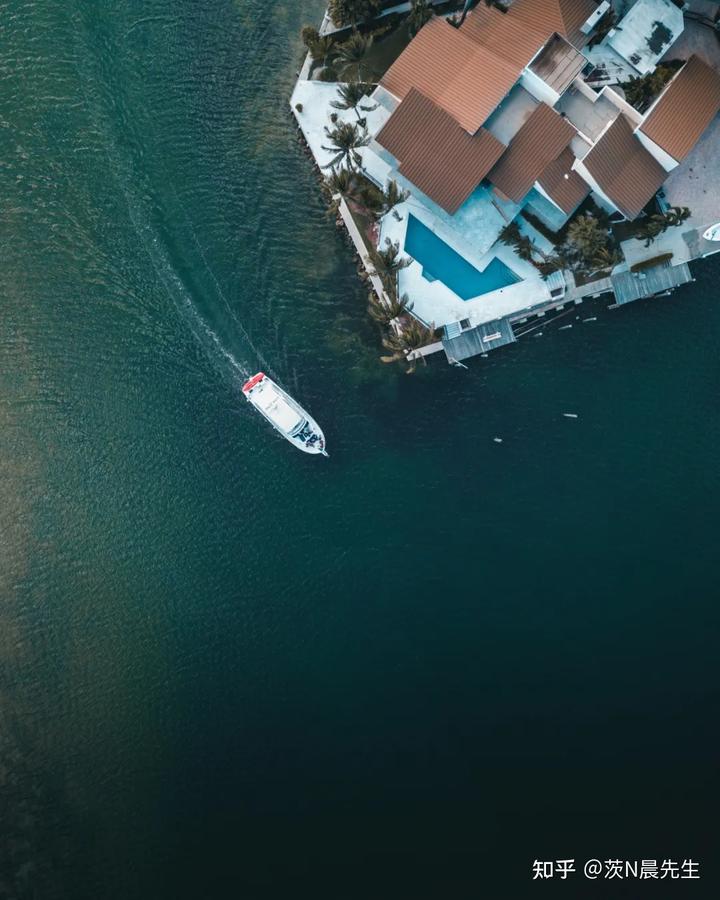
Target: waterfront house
x=519, y=116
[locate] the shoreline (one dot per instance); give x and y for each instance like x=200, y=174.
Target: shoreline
x=518, y=307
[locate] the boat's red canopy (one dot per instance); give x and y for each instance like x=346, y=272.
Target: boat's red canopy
x=250, y=384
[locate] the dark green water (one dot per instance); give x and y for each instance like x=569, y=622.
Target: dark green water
x=227, y=670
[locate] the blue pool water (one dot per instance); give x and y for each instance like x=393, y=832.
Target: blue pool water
x=441, y=262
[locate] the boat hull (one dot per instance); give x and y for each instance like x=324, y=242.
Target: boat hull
x=285, y=414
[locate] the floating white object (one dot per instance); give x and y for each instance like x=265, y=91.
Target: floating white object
x=570, y=415
x=591, y=319
x=498, y=440
x=284, y=414
x=713, y=233
x=563, y=327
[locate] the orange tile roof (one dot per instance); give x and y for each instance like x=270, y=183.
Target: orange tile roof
x=508, y=35
x=563, y=16
x=685, y=109
x=540, y=140
x=463, y=77
x=562, y=184
x=435, y=153
x=468, y=71
x=624, y=169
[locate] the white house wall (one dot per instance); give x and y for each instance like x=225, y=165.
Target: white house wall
x=537, y=87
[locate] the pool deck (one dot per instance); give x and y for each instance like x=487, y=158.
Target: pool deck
x=472, y=231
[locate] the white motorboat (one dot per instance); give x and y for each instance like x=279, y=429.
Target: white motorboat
x=284, y=414
x=713, y=233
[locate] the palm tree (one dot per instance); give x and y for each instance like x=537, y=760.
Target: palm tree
x=420, y=14
x=393, y=196
x=351, y=55
x=385, y=311
x=525, y=247
x=387, y=263
x=606, y=258
x=587, y=236
x=322, y=48
x=347, y=12
x=553, y=262
x=371, y=197
x=655, y=225
x=351, y=95
x=676, y=215
x=510, y=234
x=340, y=181
x=650, y=228
x=345, y=139
x=412, y=336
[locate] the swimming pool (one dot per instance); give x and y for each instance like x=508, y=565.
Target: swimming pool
x=440, y=262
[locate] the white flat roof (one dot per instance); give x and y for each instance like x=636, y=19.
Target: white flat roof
x=631, y=37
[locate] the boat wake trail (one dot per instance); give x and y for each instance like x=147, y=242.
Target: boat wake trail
x=211, y=273
x=215, y=325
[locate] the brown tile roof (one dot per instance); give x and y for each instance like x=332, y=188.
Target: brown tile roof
x=624, y=169
x=464, y=78
x=562, y=184
x=468, y=71
x=540, y=140
x=509, y=35
x=685, y=109
x=563, y=16
x=435, y=153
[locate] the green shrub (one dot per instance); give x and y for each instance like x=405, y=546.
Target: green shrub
x=309, y=35
x=348, y=12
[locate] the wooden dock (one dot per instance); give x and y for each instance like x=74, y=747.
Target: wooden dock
x=480, y=339
x=629, y=286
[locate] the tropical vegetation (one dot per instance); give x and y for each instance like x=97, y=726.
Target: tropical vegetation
x=402, y=343
x=393, y=196
x=653, y=226
x=386, y=311
x=351, y=96
x=586, y=248
x=349, y=12
x=589, y=246
x=420, y=14
x=322, y=48
x=350, y=56
x=386, y=262
x=641, y=91
x=345, y=140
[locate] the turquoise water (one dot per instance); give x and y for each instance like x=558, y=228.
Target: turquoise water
x=228, y=669
x=440, y=262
